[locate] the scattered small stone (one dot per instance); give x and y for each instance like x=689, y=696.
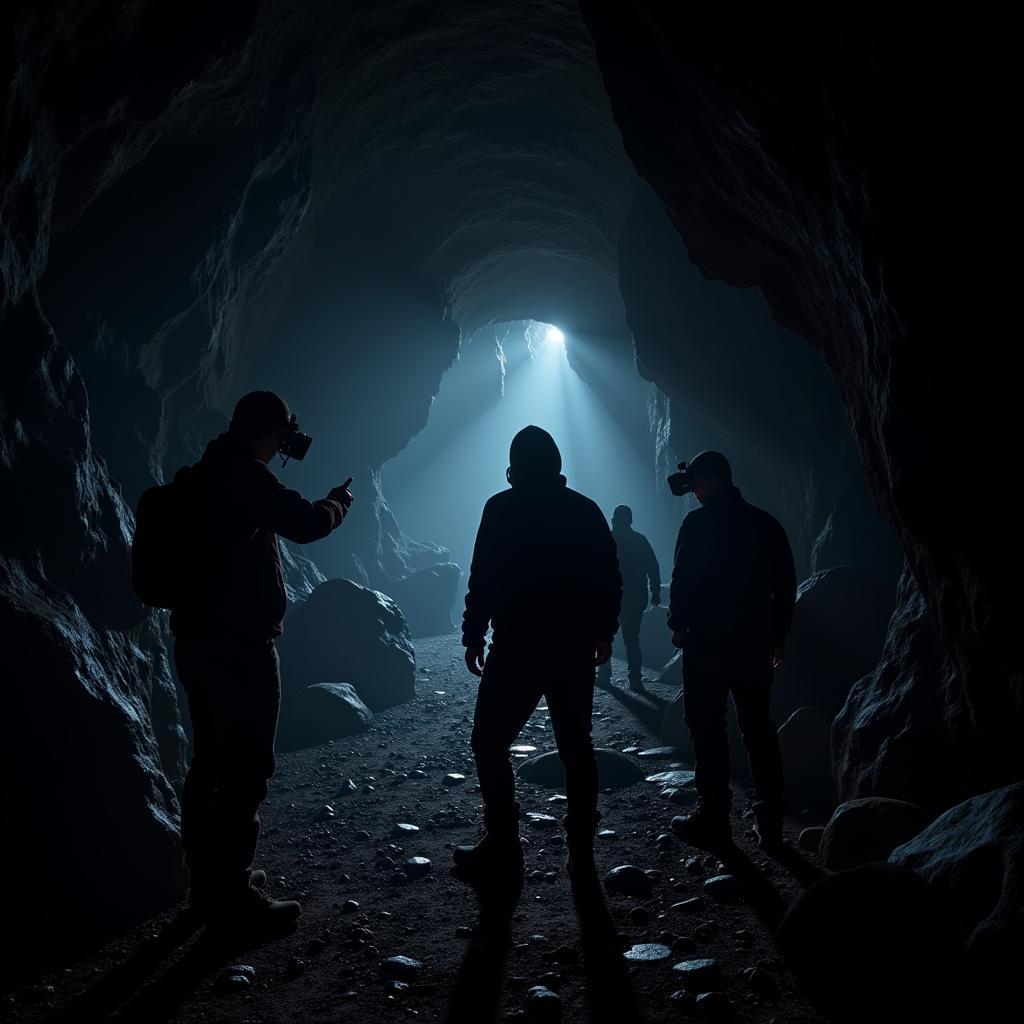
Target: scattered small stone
x=403, y=830
x=542, y=1005
x=677, y=778
x=295, y=968
x=664, y=841
x=684, y=1001
x=699, y=974
x=724, y=888
x=454, y=779
x=349, y=907
x=325, y=813
x=690, y=906
x=647, y=952
x=761, y=981
x=607, y=833
x=639, y=917
x=683, y=944
x=417, y=867
x=396, y=988
x=551, y=979
x=348, y=786
x=694, y=866
x=400, y=968
x=228, y=982
x=628, y=880
x=538, y=820
x=661, y=753
x=713, y=1005
x=417, y=773
x=463, y=932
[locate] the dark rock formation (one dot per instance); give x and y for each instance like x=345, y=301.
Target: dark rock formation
x=876, y=942
x=301, y=575
x=974, y=853
x=806, y=761
x=856, y=536
x=426, y=598
x=321, y=712
x=345, y=633
x=896, y=735
x=810, y=157
x=838, y=629
x=89, y=732
x=868, y=830
x=613, y=769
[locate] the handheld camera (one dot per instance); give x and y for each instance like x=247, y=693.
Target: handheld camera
x=295, y=443
x=681, y=482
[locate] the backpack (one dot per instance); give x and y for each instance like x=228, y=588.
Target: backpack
x=163, y=553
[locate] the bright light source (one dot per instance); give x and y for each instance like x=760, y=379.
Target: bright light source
x=555, y=336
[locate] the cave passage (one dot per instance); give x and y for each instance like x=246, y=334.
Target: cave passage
x=511, y=375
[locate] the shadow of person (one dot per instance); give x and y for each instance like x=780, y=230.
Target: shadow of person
x=214, y=949
x=647, y=708
x=612, y=1000
x=797, y=865
x=124, y=980
x=477, y=991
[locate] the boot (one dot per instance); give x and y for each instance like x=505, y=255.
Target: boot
x=496, y=853
x=705, y=826
x=636, y=684
x=768, y=826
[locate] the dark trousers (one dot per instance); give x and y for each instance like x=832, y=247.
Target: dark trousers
x=511, y=688
x=629, y=623
x=630, y=618
x=708, y=679
x=234, y=694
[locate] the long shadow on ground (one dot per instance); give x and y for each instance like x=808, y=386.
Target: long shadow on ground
x=477, y=993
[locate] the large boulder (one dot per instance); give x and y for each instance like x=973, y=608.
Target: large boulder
x=868, y=830
x=301, y=575
x=344, y=631
x=897, y=733
x=806, y=760
x=613, y=770
x=322, y=712
x=90, y=816
x=875, y=943
x=839, y=626
x=426, y=597
x=974, y=852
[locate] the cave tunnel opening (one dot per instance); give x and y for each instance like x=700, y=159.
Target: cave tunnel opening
x=649, y=231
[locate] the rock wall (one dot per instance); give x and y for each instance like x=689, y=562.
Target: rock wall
x=90, y=740
x=836, y=164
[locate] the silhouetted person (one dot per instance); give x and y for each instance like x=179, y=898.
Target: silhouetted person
x=641, y=583
x=225, y=653
x=731, y=603
x=545, y=575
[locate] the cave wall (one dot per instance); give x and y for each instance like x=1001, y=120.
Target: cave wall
x=857, y=171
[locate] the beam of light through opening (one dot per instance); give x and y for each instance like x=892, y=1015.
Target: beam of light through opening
x=555, y=336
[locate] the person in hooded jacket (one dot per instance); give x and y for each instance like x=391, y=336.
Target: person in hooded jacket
x=545, y=577
x=233, y=509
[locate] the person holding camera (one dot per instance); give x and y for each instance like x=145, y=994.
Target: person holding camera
x=545, y=576
x=730, y=606
x=232, y=509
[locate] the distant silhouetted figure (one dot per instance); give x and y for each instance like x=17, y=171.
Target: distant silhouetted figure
x=731, y=603
x=641, y=584
x=545, y=575
x=224, y=649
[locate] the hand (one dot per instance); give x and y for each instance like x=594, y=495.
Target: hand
x=602, y=652
x=778, y=657
x=656, y=599
x=342, y=495
x=678, y=639
x=475, y=660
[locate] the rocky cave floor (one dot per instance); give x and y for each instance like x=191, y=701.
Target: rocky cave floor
x=359, y=910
